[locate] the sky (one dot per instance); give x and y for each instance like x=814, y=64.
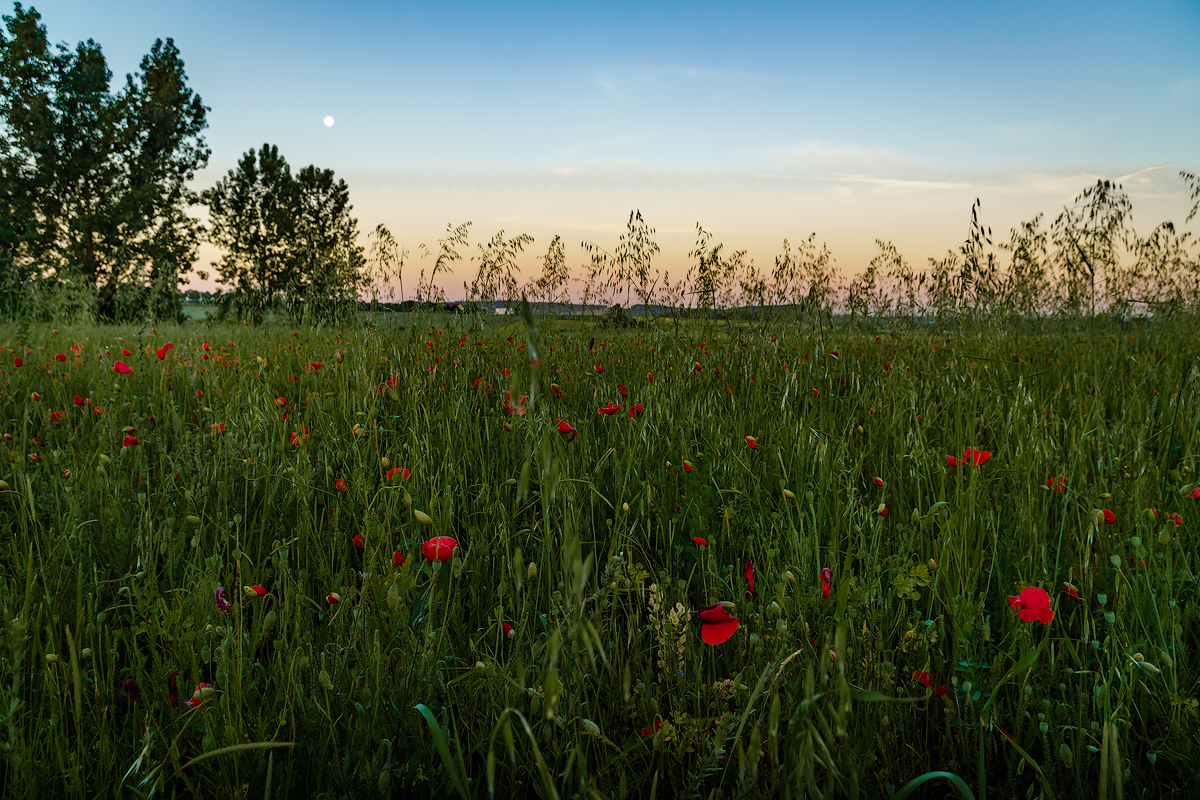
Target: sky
x=859, y=121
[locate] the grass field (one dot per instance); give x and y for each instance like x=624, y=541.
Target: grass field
x=877, y=510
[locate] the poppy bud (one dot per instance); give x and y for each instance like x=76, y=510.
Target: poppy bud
x=385, y=462
x=193, y=519
x=51, y=658
x=932, y=564
x=687, y=466
x=422, y=517
x=341, y=356
x=789, y=494
x=333, y=598
x=3, y=486
x=86, y=652
x=789, y=576
x=254, y=591
x=531, y=573
x=881, y=510
x=1184, y=490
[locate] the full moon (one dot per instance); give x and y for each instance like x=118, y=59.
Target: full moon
x=329, y=122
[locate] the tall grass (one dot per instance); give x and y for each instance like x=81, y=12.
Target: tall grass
x=585, y=547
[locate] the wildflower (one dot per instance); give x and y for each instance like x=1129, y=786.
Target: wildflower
x=357, y=541
x=223, y=605
x=202, y=693
x=816, y=392
x=1071, y=590
x=280, y=402
x=1176, y=518
x=652, y=728
x=401, y=471
x=752, y=442
x=636, y=411
x=398, y=558
x=341, y=485
x=61, y=357
x=1057, y=484
x=216, y=428
x=254, y=591
x=975, y=457
x=1032, y=604
x=687, y=466
x=35, y=397
x=879, y=482
x=826, y=582
x=333, y=598
x=699, y=542
x=598, y=368
x=834, y=354
x=55, y=416
x=132, y=688
x=439, y=548
x=922, y=678
x=129, y=441
x=1152, y=514
x=1195, y=495
x=749, y=573
x=161, y=353
x=80, y=401
x=172, y=690
x=313, y=366
x=716, y=625
x=649, y=377
x=122, y=367
x=609, y=410
x=951, y=461
x=17, y=361
x=1109, y=516
x=789, y=494
x=940, y=690
x=881, y=510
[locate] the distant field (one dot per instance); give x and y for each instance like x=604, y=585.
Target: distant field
x=969, y=552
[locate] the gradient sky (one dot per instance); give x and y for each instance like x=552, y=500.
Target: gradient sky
x=858, y=121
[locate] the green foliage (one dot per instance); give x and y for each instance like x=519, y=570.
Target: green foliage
x=585, y=547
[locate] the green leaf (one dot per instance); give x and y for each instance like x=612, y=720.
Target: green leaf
x=439, y=743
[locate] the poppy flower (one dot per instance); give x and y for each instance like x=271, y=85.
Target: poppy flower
x=652, y=728
x=401, y=471
x=17, y=361
x=1057, y=484
x=254, y=591
x=507, y=630
x=697, y=366
x=35, y=397
x=313, y=366
x=649, y=377
x=609, y=410
x=879, y=482
x=61, y=357
x=216, y=428
x=132, y=688
x=940, y=690
x=223, y=605
x=122, y=367
x=882, y=510
x=398, y=558
x=129, y=441
x=161, y=353
x=333, y=598
x=80, y=401
x=1071, y=590
x=816, y=392
x=826, y=582
x=341, y=485
x=975, y=457
x=687, y=466
x=1109, y=517
x=951, y=461
x=752, y=442
x=716, y=625
x=172, y=690
x=1176, y=518
x=55, y=416
x=357, y=541
x=1032, y=604
x=922, y=678
x=749, y=573
x=598, y=368
x=1195, y=495
x=636, y=411
x=439, y=548
x=200, y=695
x=699, y=542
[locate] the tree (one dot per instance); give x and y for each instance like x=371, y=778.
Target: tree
x=289, y=241
x=96, y=182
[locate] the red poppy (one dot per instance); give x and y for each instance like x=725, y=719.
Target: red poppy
x=1032, y=604
x=609, y=410
x=121, y=367
x=599, y=368
x=1195, y=495
x=699, y=542
x=1176, y=518
x=1071, y=590
x=649, y=377
x=1057, y=484
x=652, y=728
x=951, y=461
x=61, y=357
x=80, y=401
x=333, y=598
x=940, y=690
x=1109, y=517
x=124, y=352
x=398, y=558
x=172, y=690
x=254, y=591
x=161, y=352
x=975, y=457
x=687, y=466
x=816, y=392
x=313, y=366
x=35, y=397
x=55, y=416
x=879, y=481
x=202, y=693
x=357, y=541
x=401, y=471
x=922, y=678
x=129, y=441
x=716, y=624
x=17, y=361
x=567, y=430
x=636, y=411
x=881, y=510
x=506, y=629
x=826, y=582
x=132, y=688
x=341, y=485
x=749, y=573
x=750, y=440
x=697, y=366
x=439, y=548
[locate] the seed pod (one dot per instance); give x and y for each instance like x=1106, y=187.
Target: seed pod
x=193, y=519
x=422, y=517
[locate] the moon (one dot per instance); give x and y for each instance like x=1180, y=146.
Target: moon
x=329, y=122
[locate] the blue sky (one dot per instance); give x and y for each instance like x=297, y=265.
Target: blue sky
x=855, y=120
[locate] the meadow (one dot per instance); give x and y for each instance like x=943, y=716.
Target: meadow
x=691, y=559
